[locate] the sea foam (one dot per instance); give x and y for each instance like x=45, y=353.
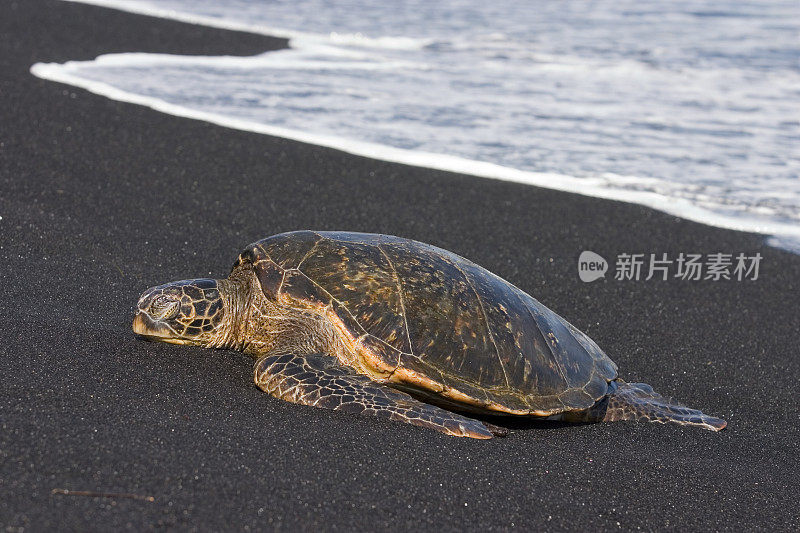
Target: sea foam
x=631, y=103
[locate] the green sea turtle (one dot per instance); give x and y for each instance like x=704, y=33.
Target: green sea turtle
x=392, y=327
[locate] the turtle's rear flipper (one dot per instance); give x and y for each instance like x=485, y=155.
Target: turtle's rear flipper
x=320, y=380
x=638, y=401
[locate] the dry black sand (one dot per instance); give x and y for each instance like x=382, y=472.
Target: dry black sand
x=100, y=200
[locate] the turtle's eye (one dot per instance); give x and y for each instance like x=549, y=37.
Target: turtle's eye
x=164, y=307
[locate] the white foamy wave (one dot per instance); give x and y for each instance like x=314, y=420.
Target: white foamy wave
x=65, y=73
x=307, y=59
x=686, y=107
x=389, y=43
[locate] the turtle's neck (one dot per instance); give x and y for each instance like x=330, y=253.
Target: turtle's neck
x=237, y=295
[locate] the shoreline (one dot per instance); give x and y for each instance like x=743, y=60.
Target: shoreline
x=102, y=199
x=781, y=234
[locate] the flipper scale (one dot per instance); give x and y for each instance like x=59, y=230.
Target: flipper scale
x=319, y=380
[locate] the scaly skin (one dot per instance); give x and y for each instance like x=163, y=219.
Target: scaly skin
x=317, y=380
x=183, y=312
x=638, y=401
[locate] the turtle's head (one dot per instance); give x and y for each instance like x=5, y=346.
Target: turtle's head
x=181, y=312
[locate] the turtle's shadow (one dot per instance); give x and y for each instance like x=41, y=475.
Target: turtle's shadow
x=516, y=423
x=509, y=422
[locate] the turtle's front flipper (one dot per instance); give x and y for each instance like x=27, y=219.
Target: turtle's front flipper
x=638, y=401
x=320, y=380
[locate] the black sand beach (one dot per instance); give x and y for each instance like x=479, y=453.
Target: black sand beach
x=100, y=200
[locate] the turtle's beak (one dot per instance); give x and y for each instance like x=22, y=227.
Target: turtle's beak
x=142, y=325
x=151, y=330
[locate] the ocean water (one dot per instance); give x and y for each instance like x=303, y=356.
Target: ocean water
x=689, y=107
